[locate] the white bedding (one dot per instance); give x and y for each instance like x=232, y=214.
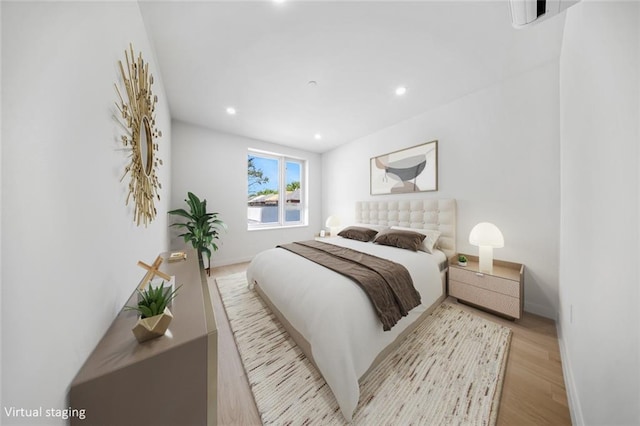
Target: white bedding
x=335, y=315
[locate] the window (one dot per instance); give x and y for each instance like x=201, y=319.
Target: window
x=275, y=190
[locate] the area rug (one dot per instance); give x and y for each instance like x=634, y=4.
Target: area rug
x=448, y=371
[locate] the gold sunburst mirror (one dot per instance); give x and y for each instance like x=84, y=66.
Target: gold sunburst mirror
x=138, y=118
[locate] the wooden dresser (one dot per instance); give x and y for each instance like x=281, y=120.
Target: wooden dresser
x=169, y=380
x=501, y=292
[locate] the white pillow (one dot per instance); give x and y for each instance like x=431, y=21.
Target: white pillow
x=429, y=242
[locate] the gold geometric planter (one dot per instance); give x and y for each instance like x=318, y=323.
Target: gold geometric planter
x=152, y=327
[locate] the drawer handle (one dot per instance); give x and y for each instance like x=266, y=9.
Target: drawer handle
x=479, y=274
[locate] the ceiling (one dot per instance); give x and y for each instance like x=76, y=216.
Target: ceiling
x=260, y=56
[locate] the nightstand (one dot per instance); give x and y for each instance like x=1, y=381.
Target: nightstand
x=501, y=292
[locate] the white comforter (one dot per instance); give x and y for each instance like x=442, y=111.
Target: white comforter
x=335, y=315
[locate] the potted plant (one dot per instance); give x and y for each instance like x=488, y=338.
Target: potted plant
x=155, y=316
x=462, y=260
x=202, y=229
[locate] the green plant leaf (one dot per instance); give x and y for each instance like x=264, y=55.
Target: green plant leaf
x=154, y=308
x=180, y=212
x=145, y=311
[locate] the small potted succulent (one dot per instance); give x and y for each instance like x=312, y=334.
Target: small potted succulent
x=462, y=260
x=154, y=314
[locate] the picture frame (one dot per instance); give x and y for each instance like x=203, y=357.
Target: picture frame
x=409, y=170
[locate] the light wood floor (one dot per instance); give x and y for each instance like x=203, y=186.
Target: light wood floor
x=533, y=392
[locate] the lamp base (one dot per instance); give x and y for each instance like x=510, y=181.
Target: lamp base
x=486, y=259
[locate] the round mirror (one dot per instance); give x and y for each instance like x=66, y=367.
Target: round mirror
x=145, y=146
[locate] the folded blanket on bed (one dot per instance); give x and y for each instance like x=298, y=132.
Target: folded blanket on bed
x=388, y=284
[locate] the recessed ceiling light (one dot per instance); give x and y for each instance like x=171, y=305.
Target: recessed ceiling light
x=231, y=111
x=401, y=90
x=317, y=136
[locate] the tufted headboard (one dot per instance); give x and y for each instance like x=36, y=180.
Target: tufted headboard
x=421, y=214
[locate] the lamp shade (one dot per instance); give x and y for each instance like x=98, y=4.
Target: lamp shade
x=486, y=234
x=333, y=221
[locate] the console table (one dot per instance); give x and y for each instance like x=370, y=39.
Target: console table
x=168, y=380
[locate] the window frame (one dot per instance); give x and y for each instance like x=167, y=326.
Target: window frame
x=282, y=190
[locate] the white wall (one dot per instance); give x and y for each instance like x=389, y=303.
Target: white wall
x=70, y=247
x=498, y=156
x=599, y=279
x=1, y=327
x=213, y=166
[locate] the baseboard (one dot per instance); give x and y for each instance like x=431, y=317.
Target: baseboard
x=542, y=310
x=225, y=262
x=569, y=383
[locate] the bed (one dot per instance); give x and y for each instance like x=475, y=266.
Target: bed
x=331, y=318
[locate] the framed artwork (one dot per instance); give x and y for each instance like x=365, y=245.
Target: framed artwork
x=409, y=170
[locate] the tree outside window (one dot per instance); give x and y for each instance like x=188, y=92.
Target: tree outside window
x=275, y=190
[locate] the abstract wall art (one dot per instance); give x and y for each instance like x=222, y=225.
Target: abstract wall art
x=408, y=170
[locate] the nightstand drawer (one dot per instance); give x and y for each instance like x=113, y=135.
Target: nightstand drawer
x=485, y=281
x=489, y=299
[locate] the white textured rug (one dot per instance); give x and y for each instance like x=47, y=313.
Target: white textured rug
x=449, y=371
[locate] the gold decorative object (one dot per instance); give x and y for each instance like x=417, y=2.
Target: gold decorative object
x=151, y=272
x=138, y=115
x=152, y=327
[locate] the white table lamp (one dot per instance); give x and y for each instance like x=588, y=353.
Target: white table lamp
x=333, y=223
x=486, y=236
